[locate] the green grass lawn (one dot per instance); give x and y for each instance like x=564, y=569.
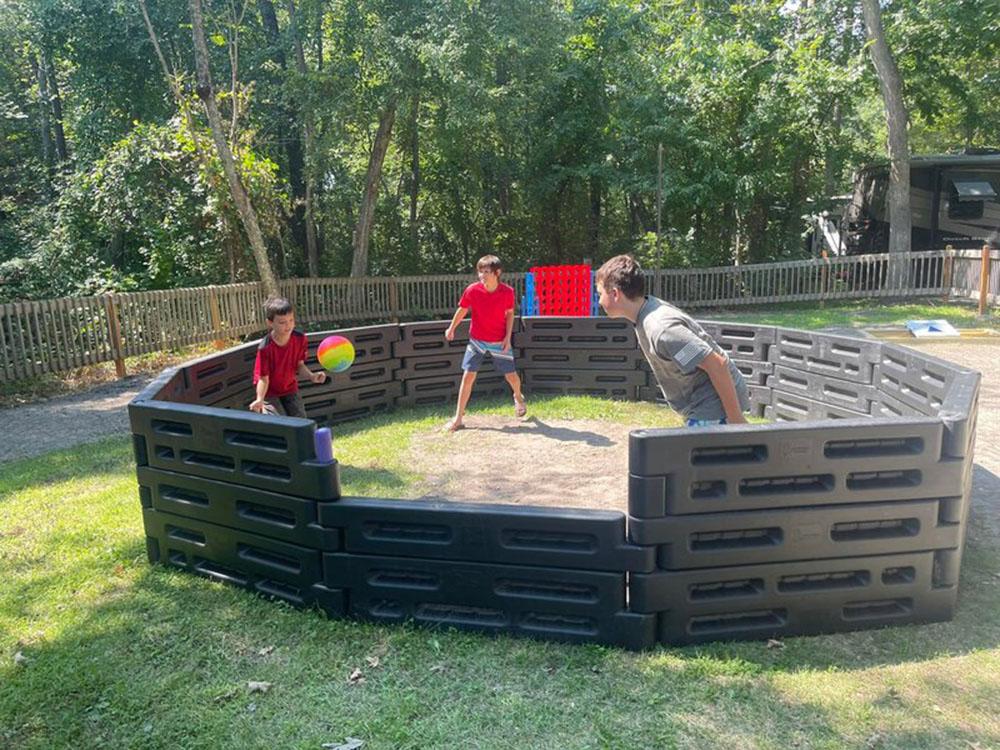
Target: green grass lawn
x=100, y=649
x=855, y=314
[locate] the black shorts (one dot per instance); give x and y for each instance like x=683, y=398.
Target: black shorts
x=291, y=405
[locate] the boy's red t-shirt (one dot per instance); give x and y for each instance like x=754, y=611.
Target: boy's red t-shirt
x=280, y=363
x=489, y=310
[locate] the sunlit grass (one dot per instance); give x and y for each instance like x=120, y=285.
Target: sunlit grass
x=117, y=653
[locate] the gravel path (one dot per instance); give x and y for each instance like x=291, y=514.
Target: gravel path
x=66, y=421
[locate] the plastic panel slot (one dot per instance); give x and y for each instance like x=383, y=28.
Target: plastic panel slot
x=795, y=341
x=900, y=575
x=213, y=368
x=455, y=614
x=164, y=452
x=547, y=540
x=842, y=579
x=878, y=480
x=166, y=427
x=857, y=531
x=190, y=536
x=255, y=440
x=522, y=589
x=268, y=558
x=708, y=490
x=404, y=579
x=262, y=514
x=842, y=393
x=902, y=446
x=785, y=485
x=178, y=558
x=212, y=389
x=266, y=471
x=386, y=609
x=785, y=379
x=735, y=454
x=388, y=531
x=763, y=619
x=933, y=378
x=211, y=460
x=283, y=591
x=212, y=569
x=877, y=610
x=187, y=497
x=826, y=364
x=725, y=589
x=545, y=622
x=706, y=541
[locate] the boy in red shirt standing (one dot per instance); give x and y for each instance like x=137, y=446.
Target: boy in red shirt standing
x=492, y=307
x=281, y=359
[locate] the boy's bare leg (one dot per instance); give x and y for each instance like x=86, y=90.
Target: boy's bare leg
x=515, y=385
x=464, y=392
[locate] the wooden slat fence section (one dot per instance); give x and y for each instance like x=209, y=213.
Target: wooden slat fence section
x=61, y=334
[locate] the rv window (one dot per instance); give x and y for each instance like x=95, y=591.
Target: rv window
x=966, y=197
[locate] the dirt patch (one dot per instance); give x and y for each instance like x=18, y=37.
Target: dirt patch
x=553, y=463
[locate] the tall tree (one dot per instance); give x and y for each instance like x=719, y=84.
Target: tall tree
x=366, y=214
x=891, y=85
x=239, y=193
x=309, y=133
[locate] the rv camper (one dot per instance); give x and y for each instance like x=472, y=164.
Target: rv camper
x=953, y=201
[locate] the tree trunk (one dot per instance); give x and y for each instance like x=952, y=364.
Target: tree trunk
x=595, y=217
x=62, y=154
x=414, y=173
x=44, y=127
x=240, y=197
x=308, y=130
x=363, y=229
x=898, y=203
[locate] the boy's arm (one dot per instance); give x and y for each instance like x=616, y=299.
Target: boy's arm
x=304, y=372
x=457, y=318
x=510, y=329
x=258, y=404
x=717, y=369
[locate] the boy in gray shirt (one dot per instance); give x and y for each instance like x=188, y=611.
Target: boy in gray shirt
x=698, y=380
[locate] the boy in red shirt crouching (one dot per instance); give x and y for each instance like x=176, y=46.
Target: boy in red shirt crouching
x=281, y=360
x=492, y=306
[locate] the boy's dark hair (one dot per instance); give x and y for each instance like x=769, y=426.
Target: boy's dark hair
x=489, y=263
x=623, y=273
x=277, y=306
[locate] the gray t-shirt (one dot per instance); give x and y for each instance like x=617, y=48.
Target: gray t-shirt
x=674, y=345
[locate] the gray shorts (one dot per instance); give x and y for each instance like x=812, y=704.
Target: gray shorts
x=476, y=351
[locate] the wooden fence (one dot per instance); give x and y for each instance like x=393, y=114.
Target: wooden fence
x=63, y=334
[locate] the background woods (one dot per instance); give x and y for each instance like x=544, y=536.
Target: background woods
x=406, y=137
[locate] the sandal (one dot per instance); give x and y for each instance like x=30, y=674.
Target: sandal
x=520, y=409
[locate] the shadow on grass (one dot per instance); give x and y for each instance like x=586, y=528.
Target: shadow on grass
x=535, y=426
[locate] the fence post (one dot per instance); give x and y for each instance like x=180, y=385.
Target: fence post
x=115, y=334
x=984, y=280
x=393, y=299
x=216, y=313
x=947, y=272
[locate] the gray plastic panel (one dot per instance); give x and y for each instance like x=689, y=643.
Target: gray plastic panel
x=602, y=379
x=357, y=375
x=825, y=354
x=418, y=339
x=444, y=363
x=443, y=389
x=171, y=542
x=371, y=343
x=188, y=542
x=257, y=450
x=550, y=603
x=832, y=391
x=561, y=332
x=270, y=514
x=754, y=373
x=741, y=341
x=797, y=598
x=333, y=406
x=582, y=359
x=510, y=534
x=716, y=540
x=793, y=407
x=887, y=407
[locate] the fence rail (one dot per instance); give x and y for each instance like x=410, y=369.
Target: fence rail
x=63, y=334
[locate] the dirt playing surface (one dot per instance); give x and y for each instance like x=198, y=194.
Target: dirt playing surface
x=555, y=463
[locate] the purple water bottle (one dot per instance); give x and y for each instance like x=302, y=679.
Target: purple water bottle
x=324, y=445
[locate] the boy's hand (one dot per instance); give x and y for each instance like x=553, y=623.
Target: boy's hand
x=506, y=345
x=449, y=334
x=257, y=405
x=318, y=377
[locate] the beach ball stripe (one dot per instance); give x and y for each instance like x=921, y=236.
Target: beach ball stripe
x=335, y=353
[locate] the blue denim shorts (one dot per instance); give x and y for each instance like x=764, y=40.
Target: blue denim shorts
x=476, y=351
x=705, y=422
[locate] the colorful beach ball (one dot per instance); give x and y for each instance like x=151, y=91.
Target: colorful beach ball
x=335, y=353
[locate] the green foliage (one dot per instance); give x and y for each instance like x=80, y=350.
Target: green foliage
x=524, y=127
